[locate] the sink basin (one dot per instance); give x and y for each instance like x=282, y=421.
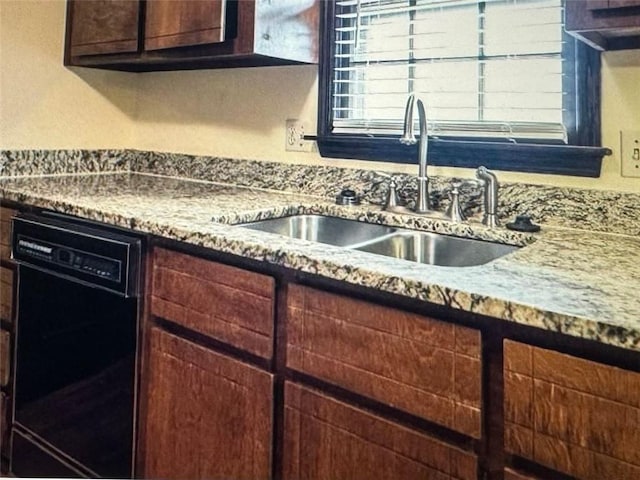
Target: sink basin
x=422, y=247
x=435, y=249
x=319, y=228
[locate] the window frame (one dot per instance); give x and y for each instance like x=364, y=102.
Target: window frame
x=581, y=157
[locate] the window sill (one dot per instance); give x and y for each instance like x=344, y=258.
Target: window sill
x=530, y=158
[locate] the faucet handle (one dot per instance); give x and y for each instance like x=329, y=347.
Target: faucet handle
x=392, y=195
x=454, y=212
x=393, y=203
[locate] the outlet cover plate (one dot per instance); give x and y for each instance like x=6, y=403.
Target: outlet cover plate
x=294, y=136
x=630, y=153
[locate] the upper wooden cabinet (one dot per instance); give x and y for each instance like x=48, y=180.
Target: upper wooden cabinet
x=605, y=24
x=190, y=34
x=104, y=26
x=171, y=23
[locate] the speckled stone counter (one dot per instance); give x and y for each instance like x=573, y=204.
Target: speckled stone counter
x=577, y=282
x=597, y=210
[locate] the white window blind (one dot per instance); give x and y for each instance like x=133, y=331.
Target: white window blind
x=490, y=68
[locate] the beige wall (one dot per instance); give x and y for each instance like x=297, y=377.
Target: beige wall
x=45, y=105
x=236, y=112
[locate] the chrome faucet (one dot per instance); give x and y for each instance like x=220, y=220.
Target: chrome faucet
x=408, y=138
x=490, y=217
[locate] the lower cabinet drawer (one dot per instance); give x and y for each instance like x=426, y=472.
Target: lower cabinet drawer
x=6, y=294
x=576, y=416
x=227, y=303
x=327, y=439
x=425, y=367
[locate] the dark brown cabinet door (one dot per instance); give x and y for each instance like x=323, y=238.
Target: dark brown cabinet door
x=573, y=415
x=103, y=26
x=179, y=23
x=207, y=415
x=327, y=439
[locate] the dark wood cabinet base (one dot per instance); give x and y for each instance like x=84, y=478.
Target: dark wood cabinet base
x=329, y=415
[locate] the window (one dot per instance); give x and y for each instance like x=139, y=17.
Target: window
x=504, y=86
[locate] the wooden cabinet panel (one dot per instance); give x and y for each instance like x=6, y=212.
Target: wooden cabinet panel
x=514, y=475
x=604, y=24
x=6, y=214
x=329, y=439
x=177, y=23
x=597, y=4
x=4, y=425
x=104, y=26
x=573, y=415
x=6, y=294
x=5, y=357
x=227, y=303
x=425, y=367
x=207, y=415
x=614, y=4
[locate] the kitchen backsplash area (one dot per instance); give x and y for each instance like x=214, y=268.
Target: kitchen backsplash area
x=598, y=210
x=63, y=162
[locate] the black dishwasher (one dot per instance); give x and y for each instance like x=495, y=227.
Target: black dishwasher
x=76, y=342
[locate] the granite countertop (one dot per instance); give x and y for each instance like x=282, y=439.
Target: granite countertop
x=578, y=282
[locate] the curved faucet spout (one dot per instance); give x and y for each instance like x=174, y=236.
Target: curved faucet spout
x=408, y=138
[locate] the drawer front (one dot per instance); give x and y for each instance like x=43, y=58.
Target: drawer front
x=5, y=357
x=422, y=366
x=6, y=214
x=329, y=439
x=573, y=415
x=6, y=294
x=226, y=303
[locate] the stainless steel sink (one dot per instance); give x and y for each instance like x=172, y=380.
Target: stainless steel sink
x=435, y=249
x=422, y=247
x=319, y=228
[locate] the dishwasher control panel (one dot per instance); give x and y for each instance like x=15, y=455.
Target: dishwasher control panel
x=71, y=258
x=90, y=253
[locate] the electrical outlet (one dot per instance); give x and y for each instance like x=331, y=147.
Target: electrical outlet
x=294, y=137
x=630, y=153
